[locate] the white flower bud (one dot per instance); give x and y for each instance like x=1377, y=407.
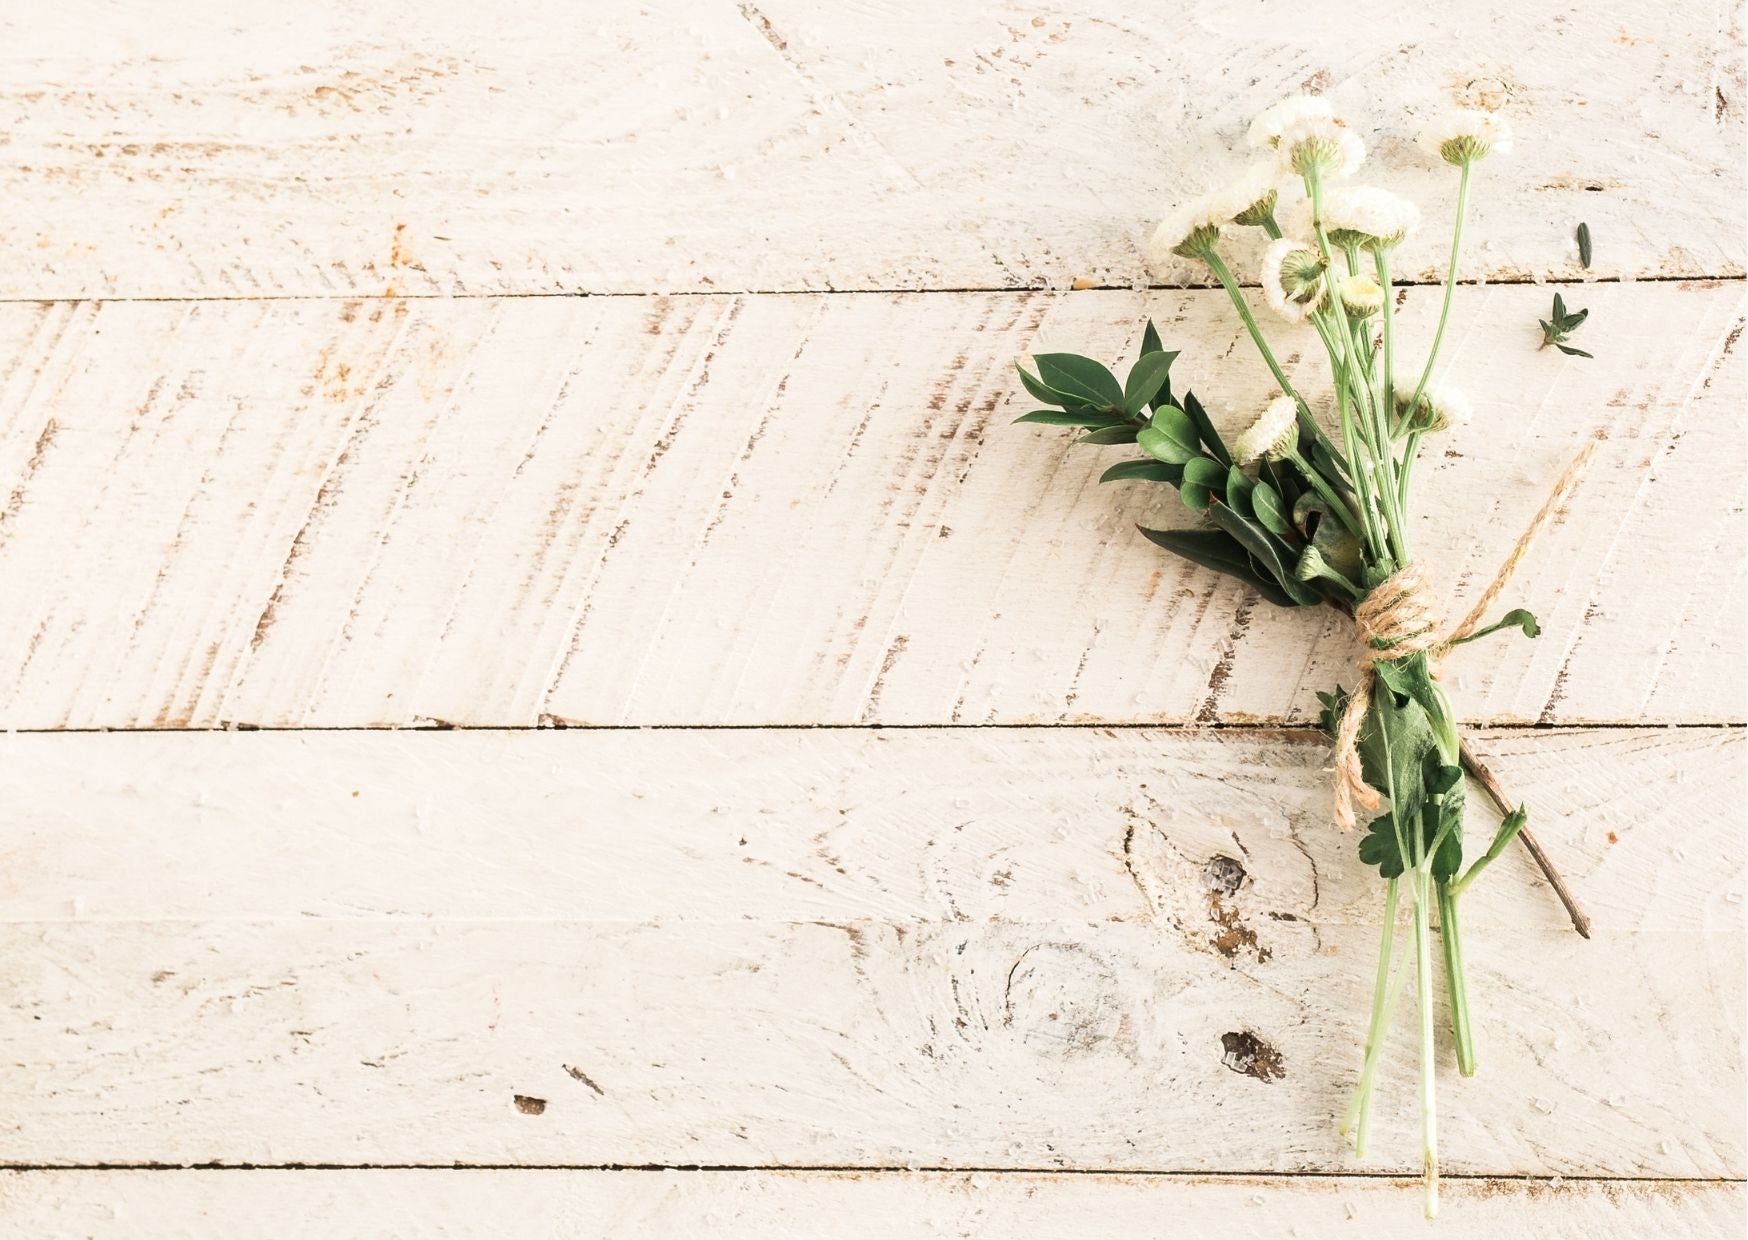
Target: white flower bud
x=1292, y=278
x=1465, y=135
x=1442, y=406
x=1252, y=197
x=1361, y=295
x=1265, y=130
x=1273, y=435
x=1190, y=231
x=1321, y=147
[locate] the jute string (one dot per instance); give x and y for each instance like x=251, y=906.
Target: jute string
x=1400, y=618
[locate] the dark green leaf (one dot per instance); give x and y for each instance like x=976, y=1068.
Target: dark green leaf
x=1146, y=377
x=1123, y=432
x=1195, y=496
x=1150, y=340
x=1378, y=847
x=1070, y=417
x=1080, y=378
x=1265, y=501
x=1571, y=352
x=1215, y=550
x=1041, y=391
x=1276, y=559
x=1202, y=472
x=1205, y=429
x=1238, y=491
x=1442, y=820
x=1145, y=471
x=1584, y=244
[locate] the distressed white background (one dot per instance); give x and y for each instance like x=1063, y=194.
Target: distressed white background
x=451, y=454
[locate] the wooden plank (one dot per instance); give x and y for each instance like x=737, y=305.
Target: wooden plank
x=793, y=144
x=754, y=1205
x=984, y=825
x=794, y=510
x=542, y=948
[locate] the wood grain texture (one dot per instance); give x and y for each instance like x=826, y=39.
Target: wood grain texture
x=609, y=948
x=670, y=1205
x=434, y=147
x=808, y=509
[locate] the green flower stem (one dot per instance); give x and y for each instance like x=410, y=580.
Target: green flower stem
x=1423, y=984
x=1455, y=979
x=1358, y=1110
x=1224, y=274
x=1380, y=456
x=1270, y=227
x=1444, y=313
x=1387, y=386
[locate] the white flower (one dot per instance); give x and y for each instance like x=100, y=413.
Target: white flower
x=1358, y=215
x=1251, y=198
x=1361, y=295
x=1292, y=278
x=1320, y=146
x=1265, y=130
x=1273, y=434
x=1363, y=215
x=1442, y=406
x=1465, y=135
x=1190, y=231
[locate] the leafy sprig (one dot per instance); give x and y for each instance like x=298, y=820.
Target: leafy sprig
x=1558, y=329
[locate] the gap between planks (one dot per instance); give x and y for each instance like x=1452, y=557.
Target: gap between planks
x=1285, y=732
x=879, y=1169
x=872, y=291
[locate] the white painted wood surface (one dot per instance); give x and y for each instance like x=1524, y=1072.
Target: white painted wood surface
x=795, y=510
x=319, y=461
x=216, y=150
x=679, y=1205
x=1002, y=948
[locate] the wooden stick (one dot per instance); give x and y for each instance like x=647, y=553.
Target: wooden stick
x=1485, y=777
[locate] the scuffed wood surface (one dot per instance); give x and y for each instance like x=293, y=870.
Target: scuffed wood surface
x=984, y=948
x=671, y=1205
x=438, y=147
x=1079, y=825
x=810, y=509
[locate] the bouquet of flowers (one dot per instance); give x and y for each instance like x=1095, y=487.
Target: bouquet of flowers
x=1309, y=516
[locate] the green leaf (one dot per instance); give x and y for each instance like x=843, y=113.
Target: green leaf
x=1215, y=550
x=1276, y=560
x=1584, y=244
x=1239, y=490
x=1196, y=496
x=1378, y=847
x=1205, y=429
x=1202, y=472
x=1508, y=831
x=1571, y=352
x=1143, y=471
x=1146, y=377
x=1265, y=501
x=1571, y=321
x=1041, y=391
x=1442, y=820
x=1170, y=437
x=1559, y=310
x=1123, y=432
x=1069, y=417
x=1150, y=340
x=1080, y=378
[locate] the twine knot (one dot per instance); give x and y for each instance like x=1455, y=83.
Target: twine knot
x=1400, y=617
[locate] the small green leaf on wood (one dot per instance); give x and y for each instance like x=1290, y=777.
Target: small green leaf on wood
x=1584, y=245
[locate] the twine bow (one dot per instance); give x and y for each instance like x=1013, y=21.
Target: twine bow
x=1401, y=617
